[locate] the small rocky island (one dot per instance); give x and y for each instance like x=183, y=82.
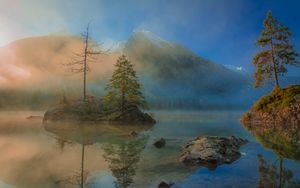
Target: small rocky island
x=85, y=112
x=211, y=151
x=121, y=105
x=281, y=106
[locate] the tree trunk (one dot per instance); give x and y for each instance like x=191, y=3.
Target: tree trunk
x=276, y=79
x=274, y=66
x=85, y=63
x=123, y=101
x=280, y=172
x=82, y=167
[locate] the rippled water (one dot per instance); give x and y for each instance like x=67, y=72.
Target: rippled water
x=67, y=155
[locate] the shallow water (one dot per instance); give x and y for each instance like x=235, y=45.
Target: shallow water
x=68, y=155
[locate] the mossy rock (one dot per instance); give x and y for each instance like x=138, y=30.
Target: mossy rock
x=280, y=106
x=278, y=98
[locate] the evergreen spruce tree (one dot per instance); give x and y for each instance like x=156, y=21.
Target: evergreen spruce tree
x=276, y=54
x=124, y=89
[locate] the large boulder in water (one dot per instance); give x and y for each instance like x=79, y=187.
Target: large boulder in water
x=211, y=151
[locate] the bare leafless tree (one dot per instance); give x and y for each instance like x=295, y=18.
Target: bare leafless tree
x=80, y=62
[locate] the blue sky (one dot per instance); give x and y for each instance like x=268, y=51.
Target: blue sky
x=223, y=31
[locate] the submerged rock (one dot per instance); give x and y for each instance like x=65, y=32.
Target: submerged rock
x=133, y=133
x=164, y=185
x=211, y=151
x=160, y=143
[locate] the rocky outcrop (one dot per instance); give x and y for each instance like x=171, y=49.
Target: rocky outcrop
x=56, y=114
x=130, y=115
x=288, y=115
x=87, y=113
x=282, y=106
x=275, y=121
x=211, y=151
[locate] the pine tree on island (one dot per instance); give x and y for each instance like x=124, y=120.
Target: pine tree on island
x=124, y=89
x=280, y=107
x=277, y=52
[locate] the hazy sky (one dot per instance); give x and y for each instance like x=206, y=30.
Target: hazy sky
x=223, y=31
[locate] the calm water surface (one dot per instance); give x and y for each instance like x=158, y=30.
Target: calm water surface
x=67, y=155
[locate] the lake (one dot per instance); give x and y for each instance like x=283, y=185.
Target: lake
x=68, y=155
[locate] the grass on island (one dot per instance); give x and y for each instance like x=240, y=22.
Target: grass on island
x=278, y=99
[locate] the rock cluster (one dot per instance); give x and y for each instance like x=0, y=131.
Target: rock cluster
x=211, y=151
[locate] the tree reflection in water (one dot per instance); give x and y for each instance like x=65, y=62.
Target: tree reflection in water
x=274, y=175
x=121, y=150
x=78, y=178
x=284, y=141
x=123, y=159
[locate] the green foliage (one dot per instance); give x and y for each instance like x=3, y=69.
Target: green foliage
x=81, y=110
x=277, y=51
x=112, y=115
x=247, y=116
x=124, y=88
x=278, y=99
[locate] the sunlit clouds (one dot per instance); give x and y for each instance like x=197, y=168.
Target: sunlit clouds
x=35, y=61
x=221, y=32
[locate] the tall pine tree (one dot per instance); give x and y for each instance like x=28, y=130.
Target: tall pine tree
x=124, y=89
x=276, y=54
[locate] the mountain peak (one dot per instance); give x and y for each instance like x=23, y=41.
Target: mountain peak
x=149, y=36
